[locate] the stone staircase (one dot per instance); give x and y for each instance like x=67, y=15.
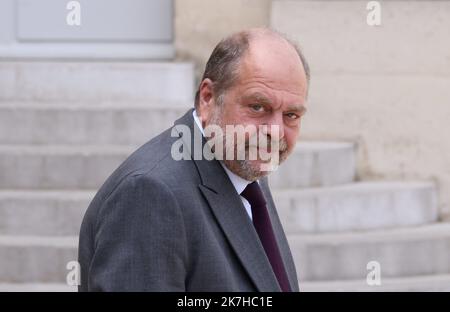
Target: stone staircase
x=65, y=126
x=336, y=225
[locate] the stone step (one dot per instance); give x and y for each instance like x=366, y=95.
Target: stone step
x=36, y=259
x=440, y=282
x=401, y=253
x=58, y=167
x=317, y=163
x=425, y=283
x=357, y=206
x=87, y=166
x=36, y=287
x=360, y=206
x=166, y=81
x=43, y=213
x=421, y=250
x=86, y=123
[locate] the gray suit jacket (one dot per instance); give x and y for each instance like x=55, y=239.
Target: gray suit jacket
x=158, y=224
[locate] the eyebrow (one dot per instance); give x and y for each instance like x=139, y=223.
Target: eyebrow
x=298, y=108
x=261, y=98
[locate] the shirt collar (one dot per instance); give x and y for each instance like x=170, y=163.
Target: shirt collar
x=197, y=121
x=239, y=183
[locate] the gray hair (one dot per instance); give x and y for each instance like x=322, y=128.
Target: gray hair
x=222, y=66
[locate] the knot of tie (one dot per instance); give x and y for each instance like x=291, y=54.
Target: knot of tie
x=254, y=195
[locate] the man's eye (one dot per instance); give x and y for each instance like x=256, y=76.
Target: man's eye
x=257, y=107
x=292, y=116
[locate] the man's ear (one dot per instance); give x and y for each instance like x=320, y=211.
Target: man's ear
x=206, y=100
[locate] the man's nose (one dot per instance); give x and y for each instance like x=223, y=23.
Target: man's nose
x=275, y=127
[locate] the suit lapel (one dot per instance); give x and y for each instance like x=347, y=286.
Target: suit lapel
x=230, y=213
x=242, y=236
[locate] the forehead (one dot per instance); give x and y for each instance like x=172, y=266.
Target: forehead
x=272, y=66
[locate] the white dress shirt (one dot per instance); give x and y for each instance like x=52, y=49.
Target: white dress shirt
x=239, y=183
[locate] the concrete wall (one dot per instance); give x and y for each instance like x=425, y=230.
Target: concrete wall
x=200, y=24
x=386, y=87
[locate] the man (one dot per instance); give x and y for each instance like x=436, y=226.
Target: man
x=162, y=224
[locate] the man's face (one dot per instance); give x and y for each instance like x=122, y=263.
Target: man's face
x=271, y=91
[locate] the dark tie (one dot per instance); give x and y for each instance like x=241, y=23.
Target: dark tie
x=263, y=227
